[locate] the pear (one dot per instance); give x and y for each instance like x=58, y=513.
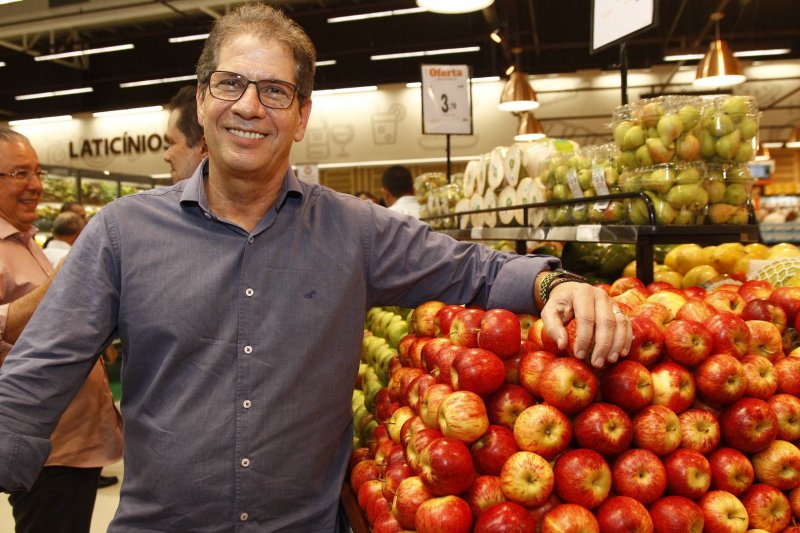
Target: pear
x=749, y=128
x=669, y=127
x=584, y=178
x=691, y=196
x=688, y=176
x=720, y=213
x=659, y=151
x=690, y=116
x=560, y=173
x=687, y=217
x=561, y=192
x=637, y=212
x=735, y=194
x=736, y=107
x=627, y=159
x=727, y=145
x=631, y=181
x=634, y=138
x=660, y=180
x=652, y=132
x=719, y=124
x=745, y=153
x=740, y=216
x=579, y=214
x=650, y=113
x=707, y=149
x=716, y=191
x=611, y=175
x=620, y=130
x=643, y=156
x=665, y=214
x=688, y=147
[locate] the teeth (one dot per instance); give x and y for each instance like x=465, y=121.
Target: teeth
x=247, y=134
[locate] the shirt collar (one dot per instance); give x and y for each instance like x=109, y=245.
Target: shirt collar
x=8, y=230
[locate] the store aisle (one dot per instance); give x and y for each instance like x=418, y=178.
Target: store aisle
x=104, y=508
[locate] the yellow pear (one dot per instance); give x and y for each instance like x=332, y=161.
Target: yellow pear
x=670, y=276
x=699, y=275
x=684, y=257
x=725, y=256
x=783, y=249
x=756, y=250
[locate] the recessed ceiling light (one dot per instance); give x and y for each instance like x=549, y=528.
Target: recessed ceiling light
x=344, y=90
x=58, y=118
x=424, y=53
x=378, y=14
x=50, y=94
x=133, y=110
x=142, y=83
x=87, y=52
x=187, y=38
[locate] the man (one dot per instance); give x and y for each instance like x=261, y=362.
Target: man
x=398, y=191
x=66, y=229
x=187, y=148
x=242, y=342
x=88, y=435
x=74, y=207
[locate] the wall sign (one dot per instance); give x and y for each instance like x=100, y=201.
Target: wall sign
x=446, y=100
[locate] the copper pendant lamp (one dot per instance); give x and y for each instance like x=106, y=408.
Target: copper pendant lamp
x=719, y=67
x=529, y=128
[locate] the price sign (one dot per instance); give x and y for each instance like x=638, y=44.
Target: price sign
x=614, y=20
x=446, y=100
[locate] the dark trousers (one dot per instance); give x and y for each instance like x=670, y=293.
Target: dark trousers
x=60, y=501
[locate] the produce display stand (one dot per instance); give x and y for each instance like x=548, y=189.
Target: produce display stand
x=643, y=236
x=358, y=522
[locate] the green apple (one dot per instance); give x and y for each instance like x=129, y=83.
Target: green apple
x=690, y=116
x=669, y=128
x=395, y=331
x=560, y=173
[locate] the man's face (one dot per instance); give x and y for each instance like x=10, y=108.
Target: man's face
x=19, y=198
x=245, y=139
x=182, y=158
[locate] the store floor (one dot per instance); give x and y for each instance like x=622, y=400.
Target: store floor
x=104, y=507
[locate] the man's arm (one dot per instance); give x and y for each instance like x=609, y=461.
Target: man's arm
x=21, y=310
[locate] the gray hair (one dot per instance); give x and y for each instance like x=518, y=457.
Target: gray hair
x=67, y=224
x=8, y=135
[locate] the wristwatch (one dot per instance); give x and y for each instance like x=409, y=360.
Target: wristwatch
x=554, y=279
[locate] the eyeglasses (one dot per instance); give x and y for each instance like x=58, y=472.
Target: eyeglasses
x=25, y=175
x=229, y=86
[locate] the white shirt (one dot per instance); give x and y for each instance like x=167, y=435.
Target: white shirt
x=407, y=205
x=56, y=250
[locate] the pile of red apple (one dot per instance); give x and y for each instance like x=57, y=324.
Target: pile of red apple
x=485, y=426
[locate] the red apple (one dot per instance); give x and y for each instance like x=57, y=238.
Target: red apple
x=625, y=283
x=787, y=411
x=418, y=442
x=730, y=334
x=543, y=429
x=369, y=490
x=699, y=430
x=411, y=493
x=396, y=421
x=731, y=471
x=789, y=299
x=687, y=342
x=639, y=474
x=500, y=332
x=493, y=449
x=787, y=370
x=676, y=514
x=403, y=347
x=658, y=286
x=465, y=327
x=386, y=523
x=506, y=403
x=377, y=507
x=688, y=473
x=726, y=301
x=794, y=501
x=755, y=289
x=446, y=514
x=657, y=428
x=538, y=512
x=526, y=320
x=759, y=375
x=767, y=508
x=673, y=386
x=400, y=376
x=417, y=388
x=541, y=339
x=778, y=465
x=765, y=339
x=582, y=476
x=477, y=370
x=363, y=472
x=512, y=365
x=429, y=351
x=568, y=384
x=439, y=365
x=505, y=517
x=484, y=492
x=530, y=370
x=629, y=300
x=446, y=466
x=696, y=310
x=620, y=513
x=569, y=517
x=384, y=406
x=356, y=456
x=695, y=292
x=443, y=318
x=723, y=513
x=378, y=435
x=671, y=298
x=749, y=425
x=762, y=309
x=392, y=477
x=659, y=313
x=604, y=428
x=415, y=351
x=628, y=384
x=720, y=379
x=462, y=416
x=527, y=479
x=422, y=318
x=430, y=402
x=647, y=341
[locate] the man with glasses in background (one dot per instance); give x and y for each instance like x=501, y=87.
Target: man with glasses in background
x=88, y=435
x=239, y=296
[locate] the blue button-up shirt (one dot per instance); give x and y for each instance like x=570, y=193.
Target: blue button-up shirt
x=240, y=349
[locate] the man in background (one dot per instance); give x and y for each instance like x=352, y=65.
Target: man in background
x=187, y=147
x=398, y=191
x=66, y=228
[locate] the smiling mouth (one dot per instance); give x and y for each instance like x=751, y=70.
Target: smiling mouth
x=246, y=134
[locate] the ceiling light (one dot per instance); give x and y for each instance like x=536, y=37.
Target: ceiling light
x=377, y=14
x=50, y=94
x=518, y=95
x=58, y=118
x=87, y=52
x=326, y=63
x=130, y=111
x=772, y=144
x=128, y=85
x=529, y=128
x=187, y=38
x=741, y=53
x=450, y=7
x=794, y=138
x=683, y=57
x=2, y=63
x=442, y=51
x=718, y=68
x=345, y=90
x=496, y=37
x=3, y=2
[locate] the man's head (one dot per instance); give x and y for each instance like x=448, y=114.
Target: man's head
x=250, y=128
x=67, y=226
x=396, y=182
x=74, y=207
x=187, y=148
x=20, y=179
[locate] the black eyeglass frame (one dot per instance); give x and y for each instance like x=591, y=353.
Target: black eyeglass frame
x=295, y=90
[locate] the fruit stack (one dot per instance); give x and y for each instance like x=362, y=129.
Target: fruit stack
x=662, y=138
x=486, y=425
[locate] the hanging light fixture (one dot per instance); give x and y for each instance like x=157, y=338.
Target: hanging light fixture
x=529, y=128
x=449, y=7
x=719, y=67
x=518, y=95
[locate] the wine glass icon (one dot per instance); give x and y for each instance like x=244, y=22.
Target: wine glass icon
x=342, y=134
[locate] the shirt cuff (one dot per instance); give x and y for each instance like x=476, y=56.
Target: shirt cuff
x=513, y=287
x=21, y=460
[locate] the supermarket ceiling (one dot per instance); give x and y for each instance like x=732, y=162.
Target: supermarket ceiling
x=551, y=37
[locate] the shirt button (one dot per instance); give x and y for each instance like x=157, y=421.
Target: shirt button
x=248, y=349
x=250, y=240
x=249, y=292
x=243, y=517
x=246, y=404
x=245, y=462
x=207, y=215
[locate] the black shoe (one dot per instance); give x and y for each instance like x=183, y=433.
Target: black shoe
x=107, y=481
